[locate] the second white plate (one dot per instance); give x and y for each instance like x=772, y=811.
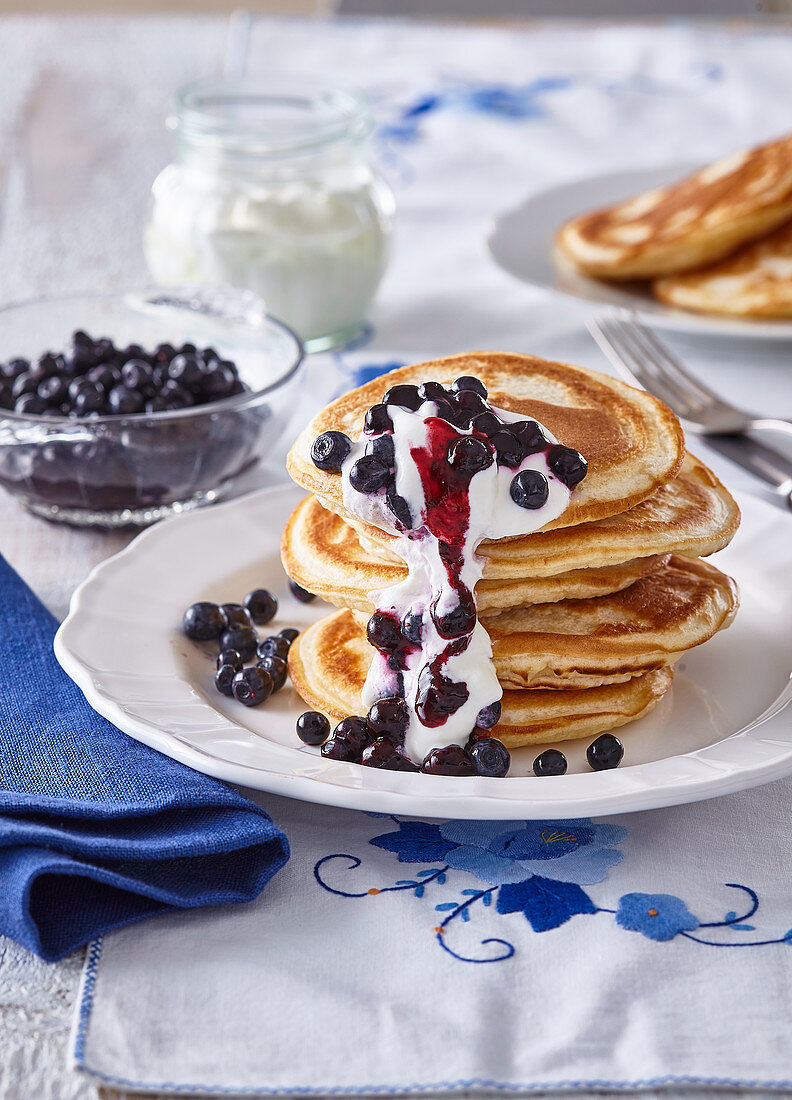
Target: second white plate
x=521, y=242
x=721, y=727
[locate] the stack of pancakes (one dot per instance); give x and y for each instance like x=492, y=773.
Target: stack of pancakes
x=719, y=241
x=588, y=615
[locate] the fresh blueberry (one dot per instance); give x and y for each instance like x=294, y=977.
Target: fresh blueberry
x=405, y=396
x=530, y=435
x=163, y=353
x=203, y=621
x=383, y=631
x=241, y=638
x=172, y=391
x=30, y=404
x=489, y=716
x=91, y=399
x=274, y=646
x=14, y=367
x=469, y=455
x=382, y=449
x=218, y=380
x=457, y=622
x=186, y=370
x=400, y=508
x=251, y=686
x=105, y=376
x=568, y=465
x=329, y=451
x=24, y=383
x=356, y=732
x=289, y=633
x=230, y=657
x=378, y=419
x=52, y=390
x=529, y=489
x=605, y=753
x=277, y=668
x=340, y=748
x=188, y=349
x=412, y=627
x=390, y=718
x=469, y=405
x=123, y=401
x=468, y=383
x=432, y=391
x=133, y=351
x=490, y=756
x=508, y=448
x=137, y=374
x=368, y=475
x=449, y=760
x=261, y=605
x=313, y=728
x=207, y=355
x=235, y=615
x=46, y=365
x=487, y=423
x=301, y=594
x=448, y=411
x=382, y=753
x=550, y=762
x=224, y=679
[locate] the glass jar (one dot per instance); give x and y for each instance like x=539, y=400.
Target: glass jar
x=271, y=191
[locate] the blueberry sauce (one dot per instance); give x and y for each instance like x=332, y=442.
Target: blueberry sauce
x=445, y=465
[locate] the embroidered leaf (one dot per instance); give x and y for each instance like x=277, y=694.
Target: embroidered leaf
x=426, y=871
x=730, y=916
x=788, y=937
x=471, y=892
x=446, y=905
x=487, y=899
x=406, y=882
x=415, y=842
x=465, y=915
x=744, y=927
x=544, y=902
x=419, y=891
x=441, y=878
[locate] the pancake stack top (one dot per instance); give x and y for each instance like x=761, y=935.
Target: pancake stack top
x=588, y=592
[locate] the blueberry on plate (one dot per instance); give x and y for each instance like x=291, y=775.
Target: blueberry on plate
x=235, y=615
x=508, y=448
x=356, y=731
x=261, y=605
x=530, y=436
x=468, y=382
x=390, y=718
x=203, y=622
x=489, y=716
x=487, y=423
x=274, y=646
x=405, y=396
x=299, y=593
x=241, y=638
x=469, y=455
x=276, y=667
x=368, y=475
x=568, y=465
x=550, y=762
x=382, y=449
x=224, y=679
x=313, y=728
x=449, y=760
x=605, y=753
x=230, y=657
x=329, y=451
x=251, y=686
x=378, y=419
x=289, y=633
x=432, y=391
x=529, y=489
x=382, y=753
x=490, y=756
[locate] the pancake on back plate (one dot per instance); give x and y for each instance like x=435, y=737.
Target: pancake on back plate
x=754, y=282
x=632, y=442
x=688, y=224
x=328, y=663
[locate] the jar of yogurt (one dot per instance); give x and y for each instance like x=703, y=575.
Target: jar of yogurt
x=271, y=190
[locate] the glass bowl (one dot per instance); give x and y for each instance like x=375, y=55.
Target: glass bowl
x=115, y=471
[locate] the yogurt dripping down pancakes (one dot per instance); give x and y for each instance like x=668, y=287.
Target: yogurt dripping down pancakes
x=719, y=241
x=588, y=613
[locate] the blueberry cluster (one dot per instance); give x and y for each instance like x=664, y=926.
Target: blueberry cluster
x=233, y=627
x=491, y=440
x=377, y=741
x=604, y=753
x=93, y=377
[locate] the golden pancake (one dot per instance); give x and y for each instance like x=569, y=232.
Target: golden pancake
x=694, y=222
x=322, y=553
x=328, y=664
x=755, y=282
x=633, y=443
x=693, y=514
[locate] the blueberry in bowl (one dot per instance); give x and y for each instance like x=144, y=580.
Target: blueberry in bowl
x=118, y=410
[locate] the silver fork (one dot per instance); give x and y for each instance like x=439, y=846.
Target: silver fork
x=641, y=357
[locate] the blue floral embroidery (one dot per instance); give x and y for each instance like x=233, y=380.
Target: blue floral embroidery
x=535, y=869
x=658, y=916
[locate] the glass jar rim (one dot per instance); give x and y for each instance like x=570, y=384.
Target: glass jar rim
x=272, y=119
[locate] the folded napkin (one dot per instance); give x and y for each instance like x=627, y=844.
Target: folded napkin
x=97, y=830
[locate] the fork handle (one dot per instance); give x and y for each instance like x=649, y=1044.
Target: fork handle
x=770, y=424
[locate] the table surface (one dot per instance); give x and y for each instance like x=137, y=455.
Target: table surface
x=81, y=123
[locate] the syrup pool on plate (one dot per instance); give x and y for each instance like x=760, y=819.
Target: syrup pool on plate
x=441, y=470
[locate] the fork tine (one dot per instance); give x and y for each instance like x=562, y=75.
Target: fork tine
x=670, y=362
x=621, y=353
x=682, y=399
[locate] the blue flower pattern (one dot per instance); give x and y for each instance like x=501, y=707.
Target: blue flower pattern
x=534, y=869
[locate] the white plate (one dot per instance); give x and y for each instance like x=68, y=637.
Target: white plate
x=521, y=242
x=720, y=728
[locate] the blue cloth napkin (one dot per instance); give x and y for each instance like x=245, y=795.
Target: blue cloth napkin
x=96, y=830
